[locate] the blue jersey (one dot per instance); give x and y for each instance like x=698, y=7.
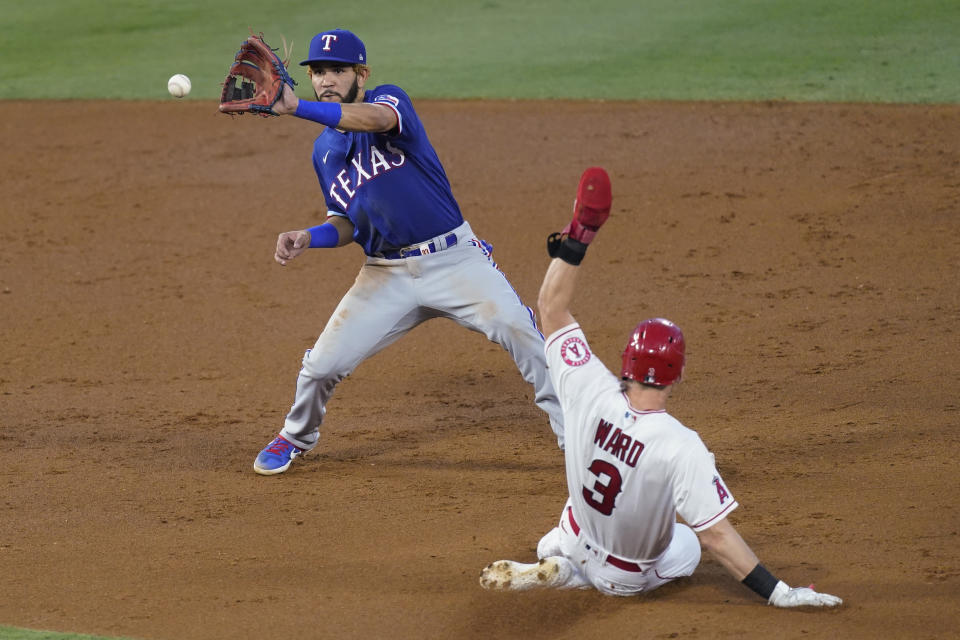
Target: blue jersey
x=390, y=185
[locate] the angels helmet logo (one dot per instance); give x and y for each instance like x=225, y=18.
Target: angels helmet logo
x=574, y=351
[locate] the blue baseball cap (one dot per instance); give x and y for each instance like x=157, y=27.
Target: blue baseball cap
x=338, y=45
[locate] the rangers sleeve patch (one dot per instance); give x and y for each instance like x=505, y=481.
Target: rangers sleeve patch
x=392, y=100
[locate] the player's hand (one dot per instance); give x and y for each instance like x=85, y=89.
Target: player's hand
x=290, y=244
x=784, y=596
x=287, y=103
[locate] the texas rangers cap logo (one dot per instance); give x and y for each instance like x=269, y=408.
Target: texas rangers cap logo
x=327, y=39
x=574, y=351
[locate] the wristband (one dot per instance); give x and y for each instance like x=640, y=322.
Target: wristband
x=572, y=251
x=326, y=113
x=761, y=581
x=323, y=236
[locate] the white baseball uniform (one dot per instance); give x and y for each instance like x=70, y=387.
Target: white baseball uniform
x=629, y=474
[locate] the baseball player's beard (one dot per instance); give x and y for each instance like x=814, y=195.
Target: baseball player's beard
x=350, y=97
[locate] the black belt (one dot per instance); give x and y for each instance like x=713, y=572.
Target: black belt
x=419, y=249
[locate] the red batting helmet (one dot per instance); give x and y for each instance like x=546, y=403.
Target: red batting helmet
x=655, y=353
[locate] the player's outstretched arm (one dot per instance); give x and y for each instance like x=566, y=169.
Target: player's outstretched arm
x=354, y=116
x=372, y=118
x=591, y=208
x=556, y=292
x=726, y=545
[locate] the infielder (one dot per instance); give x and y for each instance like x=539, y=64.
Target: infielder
x=631, y=467
x=386, y=190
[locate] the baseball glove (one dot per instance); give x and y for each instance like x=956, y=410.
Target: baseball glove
x=255, y=80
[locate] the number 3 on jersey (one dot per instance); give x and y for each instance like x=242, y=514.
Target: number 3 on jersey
x=607, y=491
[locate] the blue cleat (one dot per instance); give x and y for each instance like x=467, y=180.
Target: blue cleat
x=276, y=457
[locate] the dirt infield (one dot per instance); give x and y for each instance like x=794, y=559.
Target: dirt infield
x=151, y=345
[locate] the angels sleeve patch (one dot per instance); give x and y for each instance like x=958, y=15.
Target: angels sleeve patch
x=722, y=494
x=574, y=351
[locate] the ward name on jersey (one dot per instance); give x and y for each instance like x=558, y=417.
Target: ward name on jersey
x=618, y=443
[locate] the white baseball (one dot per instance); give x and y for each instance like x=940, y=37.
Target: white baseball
x=178, y=85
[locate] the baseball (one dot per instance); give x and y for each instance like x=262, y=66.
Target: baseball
x=178, y=85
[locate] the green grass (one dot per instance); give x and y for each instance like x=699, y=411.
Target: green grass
x=823, y=50
x=13, y=633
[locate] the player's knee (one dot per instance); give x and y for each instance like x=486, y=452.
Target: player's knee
x=319, y=366
x=688, y=550
x=549, y=544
